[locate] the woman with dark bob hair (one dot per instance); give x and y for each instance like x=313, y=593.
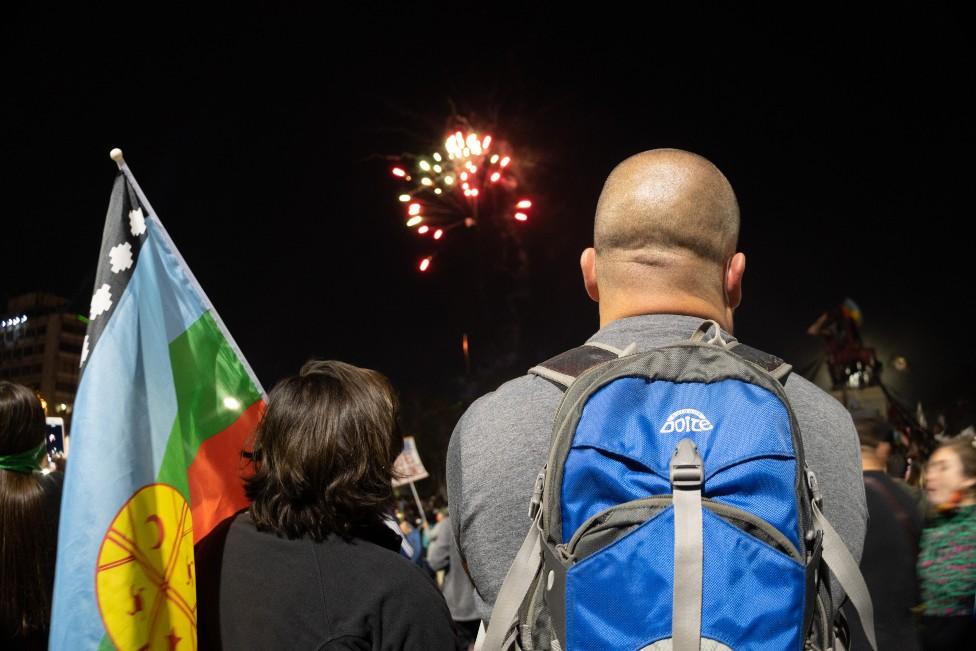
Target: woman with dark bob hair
x=29, y=504
x=311, y=563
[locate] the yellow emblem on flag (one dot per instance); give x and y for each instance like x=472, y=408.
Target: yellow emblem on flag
x=146, y=581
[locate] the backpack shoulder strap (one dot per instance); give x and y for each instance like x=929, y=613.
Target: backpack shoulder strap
x=503, y=627
x=847, y=572
x=773, y=365
x=565, y=367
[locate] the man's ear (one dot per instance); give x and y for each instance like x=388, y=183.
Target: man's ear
x=733, y=280
x=588, y=267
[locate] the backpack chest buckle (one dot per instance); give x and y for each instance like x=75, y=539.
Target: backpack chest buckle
x=687, y=471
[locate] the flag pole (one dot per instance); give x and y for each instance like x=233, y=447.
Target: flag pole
x=423, y=516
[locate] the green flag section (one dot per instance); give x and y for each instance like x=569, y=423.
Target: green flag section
x=218, y=407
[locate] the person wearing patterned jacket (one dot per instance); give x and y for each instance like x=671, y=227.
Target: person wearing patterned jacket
x=947, y=557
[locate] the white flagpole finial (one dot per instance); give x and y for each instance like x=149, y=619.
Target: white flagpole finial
x=116, y=155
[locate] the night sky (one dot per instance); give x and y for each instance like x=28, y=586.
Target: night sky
x=258, y=136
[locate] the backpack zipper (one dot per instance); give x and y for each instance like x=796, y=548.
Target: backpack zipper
x=724, y=511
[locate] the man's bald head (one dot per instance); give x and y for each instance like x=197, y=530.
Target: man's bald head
x=667, y=201
x=666, y=229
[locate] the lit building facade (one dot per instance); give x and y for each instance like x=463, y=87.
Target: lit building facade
x=40, y=347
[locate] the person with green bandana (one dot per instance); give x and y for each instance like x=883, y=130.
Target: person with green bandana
x=30, y=501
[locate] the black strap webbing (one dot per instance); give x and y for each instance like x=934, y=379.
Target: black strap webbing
x=574, y=362
x=769, y=363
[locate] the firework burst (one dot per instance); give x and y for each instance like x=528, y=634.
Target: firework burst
x=471, y=182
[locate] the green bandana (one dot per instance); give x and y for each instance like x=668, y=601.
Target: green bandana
x=26, y=462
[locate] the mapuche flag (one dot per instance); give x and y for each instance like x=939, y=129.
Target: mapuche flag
x=165, y=404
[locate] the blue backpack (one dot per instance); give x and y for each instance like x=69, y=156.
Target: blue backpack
x=675, y=512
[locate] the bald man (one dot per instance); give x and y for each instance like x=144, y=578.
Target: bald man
x=664, y=259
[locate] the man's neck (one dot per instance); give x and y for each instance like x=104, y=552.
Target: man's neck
x=613, y=310
x=871, y=462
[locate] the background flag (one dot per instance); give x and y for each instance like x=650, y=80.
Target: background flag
x=165, y=404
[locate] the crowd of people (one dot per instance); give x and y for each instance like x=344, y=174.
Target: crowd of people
x=326, y=557
x=428, y=541
x=920, y=548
